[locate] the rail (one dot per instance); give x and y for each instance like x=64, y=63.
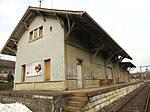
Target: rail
x=133, y=96
x=147, y=102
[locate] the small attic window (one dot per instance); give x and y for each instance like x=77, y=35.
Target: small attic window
x=41, y=31
x=50, y=29
x=36, y=34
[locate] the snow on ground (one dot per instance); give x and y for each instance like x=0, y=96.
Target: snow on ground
x=14, y=107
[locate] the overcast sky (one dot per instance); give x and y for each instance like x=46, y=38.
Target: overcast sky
x=126, y=21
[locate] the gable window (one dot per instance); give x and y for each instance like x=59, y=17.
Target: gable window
x=36, y=34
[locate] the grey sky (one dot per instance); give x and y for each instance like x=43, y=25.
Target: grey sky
x=126, y=21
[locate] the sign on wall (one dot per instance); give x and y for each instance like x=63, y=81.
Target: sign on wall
x=34, y=69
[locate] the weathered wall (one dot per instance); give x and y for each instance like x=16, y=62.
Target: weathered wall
x=121, y=75
x=77, y=47
x=48, y=85
x=94, y=71
x=4, y=72
x=100, y=100
x=36, y=103
x=126, y=76
x=50, y=46
x=91, y=72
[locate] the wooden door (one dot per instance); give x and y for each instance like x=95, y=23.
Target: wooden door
x=79, y=73
x=23, y=72
x=47, y=69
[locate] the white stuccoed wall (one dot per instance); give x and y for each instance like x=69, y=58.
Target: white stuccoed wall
x=51, y=46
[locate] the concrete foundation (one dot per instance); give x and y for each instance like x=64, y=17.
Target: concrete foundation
x=92, y=99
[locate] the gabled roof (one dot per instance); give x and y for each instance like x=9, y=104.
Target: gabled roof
x=81, y=18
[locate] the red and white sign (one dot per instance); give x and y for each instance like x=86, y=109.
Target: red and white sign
x=34, y=69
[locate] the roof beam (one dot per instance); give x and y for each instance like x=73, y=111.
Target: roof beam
x=44, y=19
x=14, y=41
x=87, y=28
x=68, y=20
x=28, y=16
x=26, y=25
x=121, y=58
x=71, y=27
x=99, y=46
x=95, y=55
x=59, y=19
x=12, y=50
x=101, y=32
x=74, y=45
x=131, y=68
x=97, y=50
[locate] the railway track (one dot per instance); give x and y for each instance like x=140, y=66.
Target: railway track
x=137, y=101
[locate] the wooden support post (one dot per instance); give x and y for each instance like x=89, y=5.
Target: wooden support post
x=66, y=36
x=113, y=56
x=95, y=55
x=26, y=25
x=59, y=19
x=68, y=20
x=14, y=41
x=29, y=15
x=121, y=58
x=71, y=29
x=61, y=23
x=122, y=66
x=95, y=49
x=44, y=19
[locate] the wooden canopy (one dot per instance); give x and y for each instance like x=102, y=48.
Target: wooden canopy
x=126, y=65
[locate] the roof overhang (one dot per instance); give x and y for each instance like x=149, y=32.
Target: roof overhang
x=127, y=65
x=81, y=18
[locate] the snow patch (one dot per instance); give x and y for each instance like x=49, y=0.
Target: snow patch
x=14, y=107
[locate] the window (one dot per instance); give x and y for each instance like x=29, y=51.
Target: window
x=50, y=29
x=36, y=34
x=41, y=31
x=31, y=35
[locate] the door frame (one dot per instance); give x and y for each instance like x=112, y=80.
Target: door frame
x=79, y=61
x=47, y=66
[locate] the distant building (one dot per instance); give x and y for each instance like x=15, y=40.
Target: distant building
x=61, y=50
x=6, y=67
x=136, y=76
x=125, y=68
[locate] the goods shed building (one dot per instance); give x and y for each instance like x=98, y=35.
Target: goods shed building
x=63, y=50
